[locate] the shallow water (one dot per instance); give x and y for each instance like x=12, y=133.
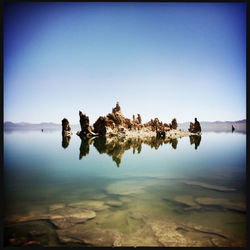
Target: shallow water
x=185, y=192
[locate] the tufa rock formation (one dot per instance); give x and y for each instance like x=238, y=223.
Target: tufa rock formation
x=195, y=127
x=115, y=124
x=139, y=118
x=161, y=134
x=156, y=125
x=174, y=124
x=65, y=127
x=117, y=109
x=86, y=129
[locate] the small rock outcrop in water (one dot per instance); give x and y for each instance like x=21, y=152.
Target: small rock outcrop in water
x=65, y=127
x=195, y=127
x=233, y=128
x=86, y=129
x=174, y=124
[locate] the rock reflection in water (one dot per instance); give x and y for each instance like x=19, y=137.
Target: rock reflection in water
x=65, y=141
x=115, y=147
x=174, y=143
x=84, y=148
x=195, y=139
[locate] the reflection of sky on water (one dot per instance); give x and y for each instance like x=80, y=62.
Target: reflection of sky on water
x=43, y=155
x=39, y=171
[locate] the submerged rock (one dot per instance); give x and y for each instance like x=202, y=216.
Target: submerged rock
x=142, y=229
x=172, y=234
x=35, y=233
x=32, y=243
x=168, y=236
x=68, y=216
x=114, y=203
x=221, y=202
x=209, y=186
x=185, y=201
x=216, y=237
x=56, y=206
x=221, y=242
x=32, y=216
x=136, y=215
x=93, y=237
x=143, y=237
x=90, y=204
x=124, y=188
x=18, y=241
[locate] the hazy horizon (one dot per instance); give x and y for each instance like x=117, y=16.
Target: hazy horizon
x=165, y=60
x=58, y=123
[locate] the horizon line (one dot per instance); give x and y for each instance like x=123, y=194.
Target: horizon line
x=79, y=122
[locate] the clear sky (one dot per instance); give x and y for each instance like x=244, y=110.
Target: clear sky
x=164, y=60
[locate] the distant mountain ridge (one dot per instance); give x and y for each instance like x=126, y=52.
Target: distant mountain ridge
x=30, y=124
x=26, y=124
x=239, y=125
x=240, y=121
x=42, y=125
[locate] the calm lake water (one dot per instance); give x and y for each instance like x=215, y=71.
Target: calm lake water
x=185, y=192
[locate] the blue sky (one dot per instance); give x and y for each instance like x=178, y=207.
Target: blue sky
x=164, y=60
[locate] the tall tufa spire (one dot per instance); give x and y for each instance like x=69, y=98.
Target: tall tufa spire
x=117, y=109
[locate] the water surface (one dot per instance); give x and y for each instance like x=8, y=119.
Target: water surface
x=151, y=192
